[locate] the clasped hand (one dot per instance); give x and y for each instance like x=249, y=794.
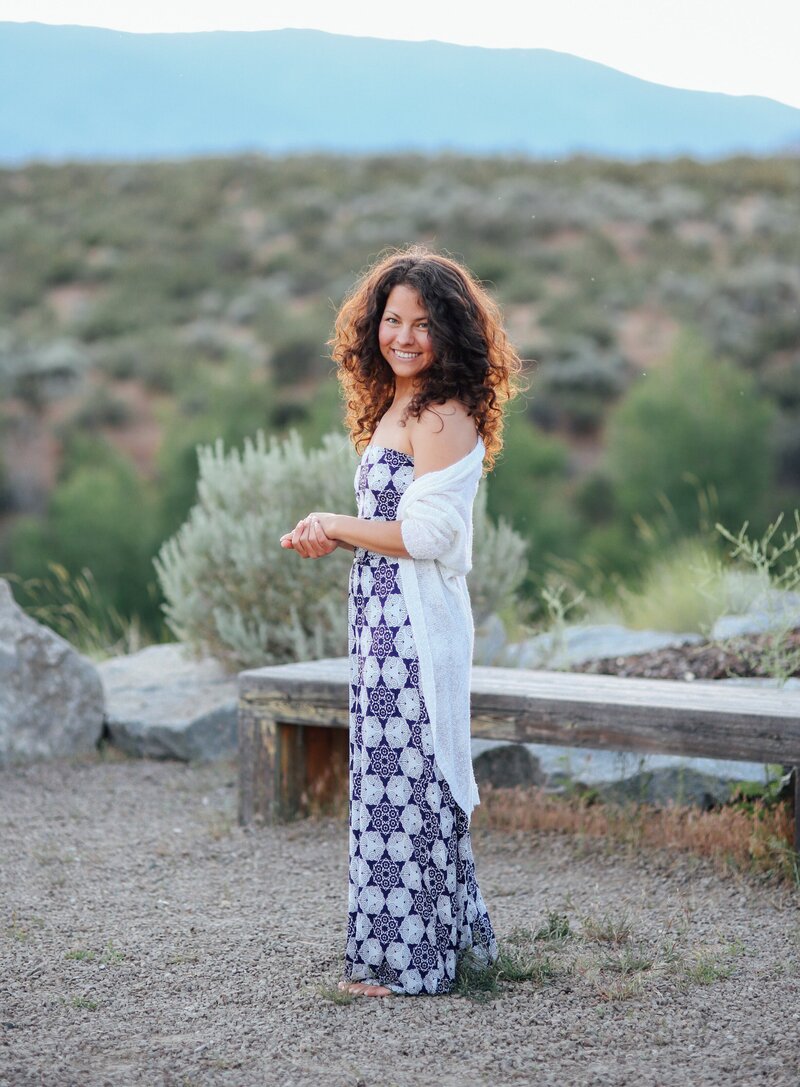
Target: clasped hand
x=310, y=538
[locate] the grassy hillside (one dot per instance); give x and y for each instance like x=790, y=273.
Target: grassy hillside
x=144, y=308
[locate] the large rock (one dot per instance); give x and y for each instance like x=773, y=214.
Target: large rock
x=680, y=784
x=160, y=703
x=772, y=610
x=625, y=774
x=51, y=698
x=490, y=641
x=507, y=766
x=584, y=642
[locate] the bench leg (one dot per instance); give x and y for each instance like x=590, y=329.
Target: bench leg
x=326, y=757
x=282, y=767
x=257, y=756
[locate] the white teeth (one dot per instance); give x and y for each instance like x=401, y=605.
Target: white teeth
x=405, y=354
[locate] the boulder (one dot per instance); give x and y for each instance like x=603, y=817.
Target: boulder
x=507, y=766
x=51, y=697
x=162, y=703
x=680, y=784
x=490, y=641
x=616, y=775
x=585, y=642
x=772, y=610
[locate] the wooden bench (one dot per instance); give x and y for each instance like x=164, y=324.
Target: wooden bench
x=294, y=724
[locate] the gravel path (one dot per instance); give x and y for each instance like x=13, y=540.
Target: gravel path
x=146, y=938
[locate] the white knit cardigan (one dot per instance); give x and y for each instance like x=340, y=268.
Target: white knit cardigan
x=435, y=514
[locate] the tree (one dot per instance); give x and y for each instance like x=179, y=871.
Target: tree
x=530, y=488
x=693, y=428
x=100, y=518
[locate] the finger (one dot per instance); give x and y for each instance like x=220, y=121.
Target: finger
x=326, y=542
x=311, y=540
x=320, y=540
x=297, y=533
x=305, y=540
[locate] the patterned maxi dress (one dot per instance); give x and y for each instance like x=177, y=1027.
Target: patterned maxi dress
x=413, y=900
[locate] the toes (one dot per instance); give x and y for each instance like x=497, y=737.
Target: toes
x=364, y=988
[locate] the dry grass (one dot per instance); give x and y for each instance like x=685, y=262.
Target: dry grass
x=758, y=841
x=755, y=837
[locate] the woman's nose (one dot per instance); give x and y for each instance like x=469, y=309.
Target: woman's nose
x=406, y=335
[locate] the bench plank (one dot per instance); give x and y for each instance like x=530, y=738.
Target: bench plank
x=576, y=709
x=285, y=711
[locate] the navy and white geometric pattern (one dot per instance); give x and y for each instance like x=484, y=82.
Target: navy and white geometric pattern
x=414, y=903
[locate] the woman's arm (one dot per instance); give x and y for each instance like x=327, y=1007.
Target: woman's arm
x=321, y=533
x=438, y=439
x=382, y=536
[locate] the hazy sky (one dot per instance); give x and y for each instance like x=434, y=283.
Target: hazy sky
x=734, y=46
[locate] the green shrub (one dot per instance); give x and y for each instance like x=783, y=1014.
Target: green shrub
x=594, y=498
x=102, y=408
x=233, y=591
x=231, y=407
x=786, y=446
x=499, y=562
x=781, y=378
x=99, y=519
x=693, y=423
x=682, y=590
x=529, y=487
x=6, y=494
x=297, y=358
x=774, y=569
x=230, y=588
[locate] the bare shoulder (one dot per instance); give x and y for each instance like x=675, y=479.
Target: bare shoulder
x=443, y=434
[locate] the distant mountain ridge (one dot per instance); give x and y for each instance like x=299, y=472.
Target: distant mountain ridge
x=69, y=92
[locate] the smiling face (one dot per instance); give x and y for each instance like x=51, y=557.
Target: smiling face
x=404, y=337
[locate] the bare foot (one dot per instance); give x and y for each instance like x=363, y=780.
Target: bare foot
x=365, y=988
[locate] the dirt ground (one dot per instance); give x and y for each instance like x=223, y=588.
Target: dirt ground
x=147, y=939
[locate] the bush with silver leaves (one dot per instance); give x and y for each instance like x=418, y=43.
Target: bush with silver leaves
x=232, y=591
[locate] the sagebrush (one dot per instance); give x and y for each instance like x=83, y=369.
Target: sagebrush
x=232, y=591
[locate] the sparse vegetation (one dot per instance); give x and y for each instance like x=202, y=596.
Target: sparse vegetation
x=603, y=953
x=162, y=305
x=752, y=832
x=776, y=569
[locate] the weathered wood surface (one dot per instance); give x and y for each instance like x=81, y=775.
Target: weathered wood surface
x=294, y=724
x=699, y=718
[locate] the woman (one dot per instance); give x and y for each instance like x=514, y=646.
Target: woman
x=425, y=367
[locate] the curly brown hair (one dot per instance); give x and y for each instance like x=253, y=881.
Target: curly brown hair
x=474, y=362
